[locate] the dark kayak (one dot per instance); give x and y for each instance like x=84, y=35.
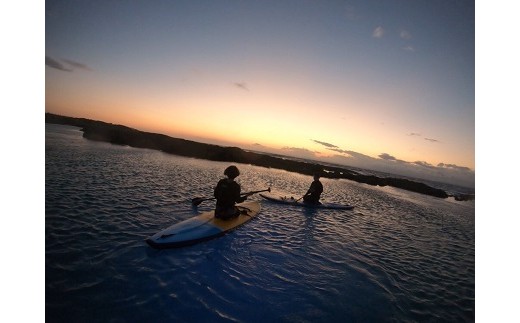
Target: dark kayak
x=292, y=201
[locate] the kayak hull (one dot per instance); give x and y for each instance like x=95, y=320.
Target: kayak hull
x=201, y=228
x=291, y=201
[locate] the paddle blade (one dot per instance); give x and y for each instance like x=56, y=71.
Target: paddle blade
x=196, y=201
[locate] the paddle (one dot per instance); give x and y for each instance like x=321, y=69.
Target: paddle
x=197, y=200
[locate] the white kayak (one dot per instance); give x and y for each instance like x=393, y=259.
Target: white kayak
x=292, y=201
x=202, y=227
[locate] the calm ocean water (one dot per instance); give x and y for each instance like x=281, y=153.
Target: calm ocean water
x=398, y=256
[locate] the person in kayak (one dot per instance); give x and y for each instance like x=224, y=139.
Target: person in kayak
x=227, y=193
x=313, y=194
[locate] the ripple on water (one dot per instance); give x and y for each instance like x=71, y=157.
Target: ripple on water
x=398, y=256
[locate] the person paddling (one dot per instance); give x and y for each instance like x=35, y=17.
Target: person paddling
x=313, y=194
x=227, y=193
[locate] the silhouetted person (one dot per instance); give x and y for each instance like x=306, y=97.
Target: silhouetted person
x=227, y=193
x=313, y=194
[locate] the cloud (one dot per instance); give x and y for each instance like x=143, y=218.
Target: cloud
x=409, y=48
x=455, y=167
x=389, y=157
x=405, y=34
x=443, y=172
x=416, y=134
x=341, y=151
x=65, y=65
x=298, y=152
x=241, y=85
x=386, y=156
x=378, y=32
x=55, y=64
x=424, y=164
x=326, y=144
x=77, y=65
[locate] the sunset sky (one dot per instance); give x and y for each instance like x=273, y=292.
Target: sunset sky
x=386, y=85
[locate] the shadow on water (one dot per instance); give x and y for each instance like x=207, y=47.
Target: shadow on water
x=310, y=212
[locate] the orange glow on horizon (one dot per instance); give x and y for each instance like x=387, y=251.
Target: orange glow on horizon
x=273, y=113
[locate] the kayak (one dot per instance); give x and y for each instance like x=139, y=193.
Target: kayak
x=292, y=201
x=201, y=227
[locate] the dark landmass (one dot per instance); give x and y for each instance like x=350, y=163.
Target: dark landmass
x=122, y=135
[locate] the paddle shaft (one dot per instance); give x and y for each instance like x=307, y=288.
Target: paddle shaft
x=198, y=200
x=301, y=198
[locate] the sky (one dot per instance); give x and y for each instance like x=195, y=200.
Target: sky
x=383, y=85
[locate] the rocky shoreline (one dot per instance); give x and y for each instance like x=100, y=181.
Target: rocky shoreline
x=122, y=135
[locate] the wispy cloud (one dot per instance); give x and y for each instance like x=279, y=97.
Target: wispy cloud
x=55, y=64
x=341, y=151
x=77, y=65
x=409, y=48
x=65, y=65
x=241, y=85
x=416, y=134
x=378, y=32
x=326, y=144
x=405, y=34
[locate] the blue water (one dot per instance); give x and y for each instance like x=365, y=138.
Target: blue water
x=398, y=256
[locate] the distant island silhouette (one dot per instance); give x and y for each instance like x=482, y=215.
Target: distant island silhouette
x=122, y=135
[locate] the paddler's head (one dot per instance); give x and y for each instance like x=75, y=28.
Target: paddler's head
x=232, y=172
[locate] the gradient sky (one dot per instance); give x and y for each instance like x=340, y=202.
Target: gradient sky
x=387, y=85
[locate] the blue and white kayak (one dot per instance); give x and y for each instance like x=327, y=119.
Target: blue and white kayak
x=202, y=227
x=292, y=201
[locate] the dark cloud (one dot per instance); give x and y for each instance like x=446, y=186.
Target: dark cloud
x=65, y=65
x=448, y=173
x=386, y=156
x=241, y=85
x=55, y=64
x=357, y=155
x=326, y=144
x=77, y=65
x=416, y=134
x=341, y=151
